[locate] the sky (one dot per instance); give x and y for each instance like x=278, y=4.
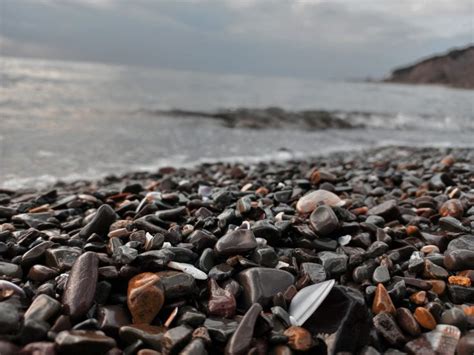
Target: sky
x=348, y=39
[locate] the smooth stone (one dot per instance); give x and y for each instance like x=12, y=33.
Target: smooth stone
x=346, y=320
x=220, y=329
x=221, y=272
x=311, y=200
x=381, y=274
x=382, y=301
x=265, y=257
x=111, y=318
x=416, y=263
x=76, y=342
x=386, y=326
x=459, y=260
x=433, y=271
x=81, y=285
x=442, y=340
x=425, y=318
x=38, y=348
x=460, y=294
x=324, y=221
x=221, y=302
x=177, y=284
x=314, y=271
x=190, y=316
x=388, y=210
x=206, y=260
x=454, y=316
x=36, y=253
x=33, y=330
x=150, y=335
x=62, y=258
x=41, y=273
x=239, y=241
x=335, y=264
x=100, y=223
x=407, y=322
x=202, y=239
x=175, y=339
x=43, y=308
x=9, y=318
x=33, y=220
x=376, y=249
x=451, y=224
x=240, y=341
x=195, y=347
x=261, y=284
x=462, y=242
x=466, y=344
x=145, y=297
x=264, y=229
x=124, y=255
x=10, y=270
x=453, y=208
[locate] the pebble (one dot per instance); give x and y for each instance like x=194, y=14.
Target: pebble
x=407, y=322
x=75, y=342
x=221, y=302
x=381, y=274
x=240, y=340
x=324, y=221
x=299, y=338
x=382, y=301
x=175, y=339
x=310, y=201
x=239, y=241
x=424, y=318
x=103, y=219
x=43, y=308
x=81, y=285
x=145, y=297
x=386, y=326
x=387, y=210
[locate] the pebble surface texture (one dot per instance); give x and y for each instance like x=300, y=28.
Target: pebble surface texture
x=208, y=260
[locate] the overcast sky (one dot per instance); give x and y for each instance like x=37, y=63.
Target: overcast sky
x=304, y=38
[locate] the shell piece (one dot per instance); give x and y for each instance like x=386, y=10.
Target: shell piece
x=344, y=240
x=308, y=299
x=188, y=269
x=151, y=196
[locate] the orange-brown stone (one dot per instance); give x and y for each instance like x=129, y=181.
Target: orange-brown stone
x=418, y=298
x=469, y=310
x=438, y=286
x=412, y=231
x=299, y=338
x=382, y=301
x=448, y=160
x=460, y=280
x=262, y=191
x=425, y=318
x=453, y=208
x=145, y=297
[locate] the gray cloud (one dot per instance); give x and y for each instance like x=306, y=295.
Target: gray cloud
x=308, y=38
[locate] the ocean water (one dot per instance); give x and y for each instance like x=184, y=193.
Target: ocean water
x=70, y=120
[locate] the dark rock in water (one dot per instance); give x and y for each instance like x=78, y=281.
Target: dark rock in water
x=386, y=326
x=10, y=270
x=344, y=316
x=43, y=308
x=81, y=285
x=314, y=271
x=324, y=221
x=261, y=284
x=101, y=222
x=75, y=342
x=335, y=264
x=9, y=318
x=239, y=241
x=240, y=341
x=220, y=329
x=461, y=259
x=175, y=339
x=388, y=210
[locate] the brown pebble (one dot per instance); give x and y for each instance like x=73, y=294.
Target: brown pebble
x=412, y=231
x=407, y=322
x=145, y=297
x=438, y=286
x=148, y=352
x=459, y=280
x=382, y=301
x=299, y=338
x=418, y=298
x=448, y=160
x=221, y=302
x=453, y=208
x=425, y=318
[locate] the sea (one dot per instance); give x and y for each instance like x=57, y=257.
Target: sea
x=63, y=121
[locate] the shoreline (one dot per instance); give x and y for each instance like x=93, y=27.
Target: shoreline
x=271, y=256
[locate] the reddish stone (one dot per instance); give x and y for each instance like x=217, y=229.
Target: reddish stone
x=382, y=301
x=145, y=297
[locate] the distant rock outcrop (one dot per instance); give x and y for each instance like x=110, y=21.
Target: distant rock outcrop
x=455, y=68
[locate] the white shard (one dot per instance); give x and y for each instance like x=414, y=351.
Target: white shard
x=188, y=269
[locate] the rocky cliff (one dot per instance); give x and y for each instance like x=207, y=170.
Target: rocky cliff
x=456, y=68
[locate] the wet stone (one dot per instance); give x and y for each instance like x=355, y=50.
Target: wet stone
x=43, y=308
x=462, y=242
x=314, y=271
x=456, y=317
x=261, y=284
x=9, y=318
x=407, y=322
x=177, y=284
x=61, y=258
x=81, y=285
x=460, y=294
x=324, y=221
x=190, y=316
x=381, y=275
x=175, y=339
x=221, y=272
x=239, y=241
x=101, y=222
x=451, y=224
x=334, y=263
x=41, y=273
x=459, y=259
x=145, y=297
x=75, y=342
x=10, y=270
x=424, y=318
x=240, y=341
x=150, y=335
x=221, y=302
x=388, y=210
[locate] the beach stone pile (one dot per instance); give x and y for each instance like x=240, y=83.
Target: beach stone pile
x=364, y=252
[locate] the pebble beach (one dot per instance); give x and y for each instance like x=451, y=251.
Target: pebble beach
x=365, y=252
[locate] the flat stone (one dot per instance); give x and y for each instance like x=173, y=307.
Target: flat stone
x=261, y=284
x=451, y=224
x=442, y=340
x=461, y=259
x=62, y=258
x=310, y=201
x=10, y=270
x=237, y=242
x=177, y=284
x=314, y=271
x=175, y=339
x=240, y=341
x=462, y=242
x=111, y=318
x=407, y=322
x=220, y=329
x=9, y=318
x=36, y=253
x=81, y=285
x=388, y=210
x=381, y=274
x=386, y=326
x=76, y=342
x=41, y=273
x=150, y=335
x=43, y=308
x=424, y=318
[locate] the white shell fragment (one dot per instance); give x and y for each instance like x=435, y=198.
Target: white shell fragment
x=307, y=300
x=188, y=269
x=311, y=200
x=151, y=196
x=281, y=264
x=344, y=240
